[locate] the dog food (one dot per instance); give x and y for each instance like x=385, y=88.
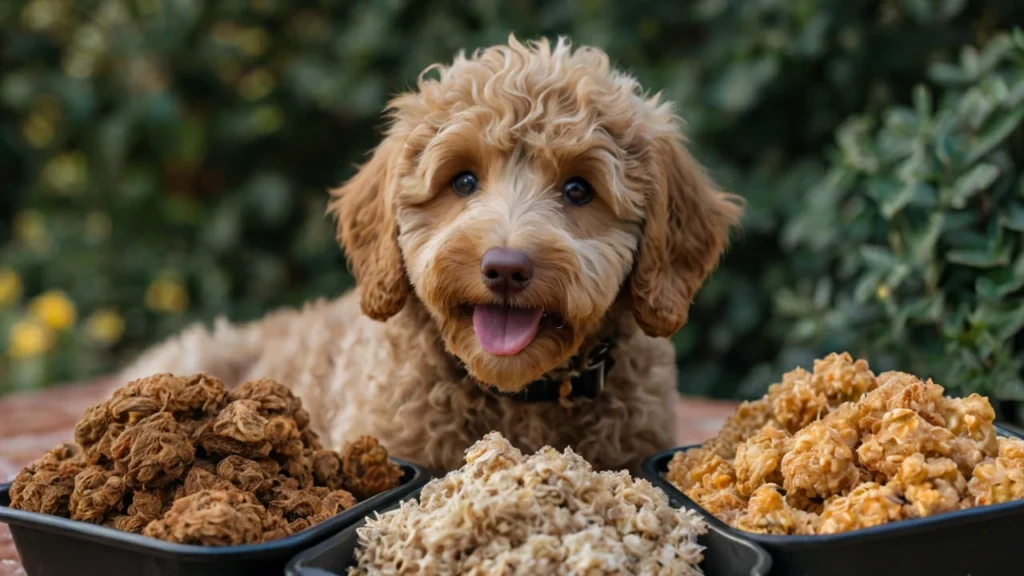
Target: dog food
x=548, y=513
x=185, y=460
x=839, y=449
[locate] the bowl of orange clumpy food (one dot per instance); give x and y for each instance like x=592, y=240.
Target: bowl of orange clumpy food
x=841, y=471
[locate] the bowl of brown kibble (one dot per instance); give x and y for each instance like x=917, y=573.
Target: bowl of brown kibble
x=842, y=472
x=180, y=475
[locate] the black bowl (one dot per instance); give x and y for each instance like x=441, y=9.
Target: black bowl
x=974, y=542
x=725, y=554
x=53, y=545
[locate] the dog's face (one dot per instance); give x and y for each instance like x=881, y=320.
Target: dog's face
x=520, y=195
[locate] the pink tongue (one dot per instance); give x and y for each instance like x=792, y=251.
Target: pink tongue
x=505, y=331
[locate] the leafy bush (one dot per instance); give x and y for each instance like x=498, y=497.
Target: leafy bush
x=919, y=225
x=164, y=162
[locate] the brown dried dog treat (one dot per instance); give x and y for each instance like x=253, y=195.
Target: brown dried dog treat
x=199, y=479
x=167, y=393
x=327, y=469
x=205, y=464
x=101, y=451
x=127, y=523
x=182, y=459
x=270, y=466
x=153, y=453
x=203, y=394
x=92, y=426
x=294, y=504
x=245, y=475
x=274, y=399
x=299, y=468
x=284, y=482
x=212, y=518
x=301, y=509
x=239, y=429
x=149, y=505
x=337, y=501
x=311, y=439
x=191, y=427
x=299, y=524
x=142, y=397
x=284, y=436
x=46, y=485
x=320, y=492
x=66, y=456
x=274, y=528
x=367, y=469
x=97, y=493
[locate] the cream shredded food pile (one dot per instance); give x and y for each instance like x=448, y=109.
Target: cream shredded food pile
x=551, y=513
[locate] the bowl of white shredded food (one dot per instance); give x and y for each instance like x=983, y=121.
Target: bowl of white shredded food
x=546, y=513
x=549, y=512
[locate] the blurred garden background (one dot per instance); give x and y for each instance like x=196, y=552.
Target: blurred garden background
x=166, y=161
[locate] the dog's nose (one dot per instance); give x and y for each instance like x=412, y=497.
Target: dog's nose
x=505, y=271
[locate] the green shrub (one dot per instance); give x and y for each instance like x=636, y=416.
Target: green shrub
x=917, y=230
x=164, y=162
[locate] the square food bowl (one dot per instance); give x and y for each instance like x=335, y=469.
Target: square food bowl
x=979, y=541
x=724, y=553
x=51, y=545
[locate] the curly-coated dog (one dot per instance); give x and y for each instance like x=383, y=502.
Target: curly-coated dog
x=524, y=239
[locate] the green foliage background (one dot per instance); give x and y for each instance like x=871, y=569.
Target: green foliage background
x=919, y=220
x=156, y=149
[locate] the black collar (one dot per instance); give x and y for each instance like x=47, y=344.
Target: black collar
x=584, y=378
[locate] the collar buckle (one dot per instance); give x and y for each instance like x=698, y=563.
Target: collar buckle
x=587, y=381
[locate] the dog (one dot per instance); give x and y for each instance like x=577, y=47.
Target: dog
x=525, y=238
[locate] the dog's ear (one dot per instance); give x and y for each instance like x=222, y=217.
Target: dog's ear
x=368, y=232
x=686, y=230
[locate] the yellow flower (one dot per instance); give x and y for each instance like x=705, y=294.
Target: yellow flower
x=105, y=326
x=40, y=15
x=67, y=173
x=882, y=292
x=55, y=310
x=10, y=287
x=29, y=338
x=167, y=295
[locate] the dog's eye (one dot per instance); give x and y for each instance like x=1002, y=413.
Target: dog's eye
x=577, y=191
x=465, y=184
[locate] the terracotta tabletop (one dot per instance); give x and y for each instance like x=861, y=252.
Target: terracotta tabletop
x=33, y=422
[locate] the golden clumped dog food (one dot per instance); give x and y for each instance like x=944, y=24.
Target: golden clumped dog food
x=839, y=449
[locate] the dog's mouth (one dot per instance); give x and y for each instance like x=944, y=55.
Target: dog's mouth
x=507, y=330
